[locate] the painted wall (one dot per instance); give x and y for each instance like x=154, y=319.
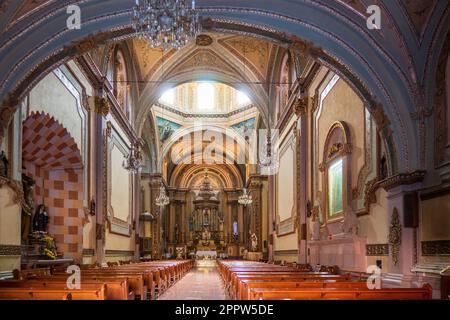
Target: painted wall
x=52, y=97
x=10, y=224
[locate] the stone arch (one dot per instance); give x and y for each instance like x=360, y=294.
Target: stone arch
x=53, y=160
x=346, y=45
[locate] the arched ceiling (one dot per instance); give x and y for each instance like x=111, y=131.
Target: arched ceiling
x=389, y=66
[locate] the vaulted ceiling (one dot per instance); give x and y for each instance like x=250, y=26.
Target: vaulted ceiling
x=393, y=67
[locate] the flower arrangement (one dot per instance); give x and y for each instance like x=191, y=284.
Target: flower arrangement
x=50, y=247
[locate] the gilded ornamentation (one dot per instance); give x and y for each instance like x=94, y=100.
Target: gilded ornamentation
x=369, y=193
x=315, y=102
x=380, y=117
x=321, y=167
x=395, y=236
x=203, y=40
x=300, y=106
x=440, y=105
x=402, y=179
x=377, y=249
x=102, y=106
x=339, y=147
x=108, y=129
x=299, y=45
x=440, y=247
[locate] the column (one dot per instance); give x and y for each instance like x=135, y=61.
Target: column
x=240, y=209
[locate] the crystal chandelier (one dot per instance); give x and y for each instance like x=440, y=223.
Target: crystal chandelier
x=133, y=162
x=162, y=200
x=167, y=23
x=246, y=198
x=267, y=159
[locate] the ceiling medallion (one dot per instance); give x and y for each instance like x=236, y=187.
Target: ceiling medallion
x=166, y=23
x=203, y=40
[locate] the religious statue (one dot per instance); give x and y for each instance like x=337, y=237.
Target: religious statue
x=206, y=235
x=27, y=206
x=254, y=239
x=40, y=220
x=3, y=164
x=221, y=225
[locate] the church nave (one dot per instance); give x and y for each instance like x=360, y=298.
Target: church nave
x=201, y=283
x=296, y=145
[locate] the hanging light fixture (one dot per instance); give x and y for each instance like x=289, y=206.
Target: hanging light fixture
x=246, y=198
x=162, y=200
x=133, y=162
x=267, y=159
x=167, y=23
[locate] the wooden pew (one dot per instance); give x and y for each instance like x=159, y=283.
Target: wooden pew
x=423, y=293
x=115, y=289
x=246, y=285
x=94, y=293
x=237, y=286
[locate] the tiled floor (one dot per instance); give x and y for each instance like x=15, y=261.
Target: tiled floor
x=201, y=283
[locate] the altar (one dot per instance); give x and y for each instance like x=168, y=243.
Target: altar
x=204, y=254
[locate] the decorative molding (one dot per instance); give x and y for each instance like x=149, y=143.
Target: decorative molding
x=377, y=249
x=119, y=253
x=202, y=115
x=402, y=179
x=102, y=106
x=369, y=193
x=395, y=236
x=440, y=106
x=286, y=252
x=16, y=187
x=203, y=40
x=300, y=106
x=433, y=248
x=10, y=250
x=88, y=252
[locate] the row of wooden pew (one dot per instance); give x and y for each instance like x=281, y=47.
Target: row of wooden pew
x=245, y=280
x=143, y=280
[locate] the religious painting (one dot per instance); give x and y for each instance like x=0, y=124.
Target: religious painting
x=120, y=81
x=335, y=186
x=166, y=128
x=244, y=128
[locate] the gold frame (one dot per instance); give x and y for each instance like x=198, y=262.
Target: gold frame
x=340, y=149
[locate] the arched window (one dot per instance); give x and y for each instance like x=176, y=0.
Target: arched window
x=336, y=170
x=168, y=96
x=205, y=96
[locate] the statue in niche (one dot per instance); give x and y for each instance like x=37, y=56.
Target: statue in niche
x=40, y=220
x=3, y=164
x=221, y=225
x=28, y=205
x=254, y=240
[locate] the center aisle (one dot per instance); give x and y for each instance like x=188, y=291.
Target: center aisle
x=201, y=283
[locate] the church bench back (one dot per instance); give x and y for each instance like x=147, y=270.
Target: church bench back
x=253, y=284
x=135, y=281
x=115, y=289
x=423, y=293
x=52, y=294
x=236, y=285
